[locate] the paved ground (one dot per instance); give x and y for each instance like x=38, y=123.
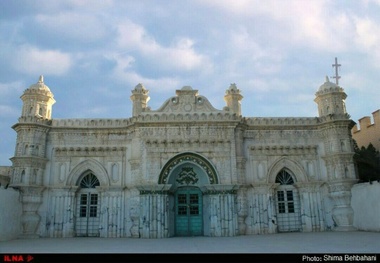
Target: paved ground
x=320, y=242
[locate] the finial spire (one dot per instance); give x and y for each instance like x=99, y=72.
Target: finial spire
x=41, y=79
x=336, y=77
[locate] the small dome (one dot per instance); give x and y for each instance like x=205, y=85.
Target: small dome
x=327, y=85
x=187, y=88
x=233, y=89
x=140, y=89
x=40, y=85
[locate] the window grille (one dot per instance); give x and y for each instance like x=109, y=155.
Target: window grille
x=89, y=181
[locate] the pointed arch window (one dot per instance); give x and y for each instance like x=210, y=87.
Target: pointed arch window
x=89, y=181
x=284, y=178
x=88, y=206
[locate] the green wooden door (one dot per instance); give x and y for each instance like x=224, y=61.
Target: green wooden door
x=189, y=220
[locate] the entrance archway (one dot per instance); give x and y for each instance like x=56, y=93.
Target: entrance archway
x=287, y=203
x=188, y=173
x=88, y=207
x=188, y=212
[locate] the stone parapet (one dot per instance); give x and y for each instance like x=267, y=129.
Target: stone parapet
x=282, y=121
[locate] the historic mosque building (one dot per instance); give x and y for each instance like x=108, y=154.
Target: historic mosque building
x=184, y=169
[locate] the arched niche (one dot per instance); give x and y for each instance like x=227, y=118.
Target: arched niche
x=285, y=163
x=96, y=167
x=188, y=159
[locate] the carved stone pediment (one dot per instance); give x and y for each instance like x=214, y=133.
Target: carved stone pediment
x=187, y=100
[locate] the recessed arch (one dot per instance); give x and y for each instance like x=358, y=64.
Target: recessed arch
x=88, y=165
x=188, y=157
x=88, y=180
x=295, y=169
x=285, y=177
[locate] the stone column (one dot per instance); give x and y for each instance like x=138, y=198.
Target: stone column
x=343, y=214
x=31, y=199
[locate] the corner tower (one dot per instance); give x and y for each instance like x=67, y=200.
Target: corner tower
x=335, y=131
x=139, y=99
x=38, y=101
x=331, y=100
x=29, y=161
x=233, y=99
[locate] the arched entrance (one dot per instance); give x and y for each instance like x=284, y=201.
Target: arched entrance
x=188, y=212
x=87, y=207
x=287, y=203
x=188, y=173
x=188, y=199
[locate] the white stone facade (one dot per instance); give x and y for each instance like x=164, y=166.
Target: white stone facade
x=184, y=169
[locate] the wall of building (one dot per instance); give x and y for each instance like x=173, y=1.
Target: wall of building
x=366, y=205
x=368, y=132
x=10, y=216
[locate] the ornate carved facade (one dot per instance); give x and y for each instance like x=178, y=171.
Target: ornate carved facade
x=184, y=169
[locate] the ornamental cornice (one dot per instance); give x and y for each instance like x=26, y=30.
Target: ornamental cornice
x=92, y=123
x=283, y=122
x=336, y=119
x=216, y=189
x=36, y=93
x=146, y=117
x=32, y=122
x=29, y=161
x=284, y=149
x=159, y=189
x=84, y=151
x=281, y=133
x=206, y=142
x=212, y=136
x=152, y=117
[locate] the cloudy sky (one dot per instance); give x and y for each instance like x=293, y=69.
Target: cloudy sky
x=93, y=53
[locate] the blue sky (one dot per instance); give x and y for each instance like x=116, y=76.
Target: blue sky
x=92, y=53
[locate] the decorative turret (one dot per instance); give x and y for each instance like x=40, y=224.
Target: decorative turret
x=338, y=150
x=37, y=101
x=139, y=99
x=331, y=100
x=29, y=162
x=233, y=98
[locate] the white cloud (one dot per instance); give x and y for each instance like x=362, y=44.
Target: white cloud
x=12, y=88
x=34, y=61
x=367, y=38
x=368, y=33
x=125, y=73
x=179, y=56
x=7, y=111
x=74, y=25
x=312, y=23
